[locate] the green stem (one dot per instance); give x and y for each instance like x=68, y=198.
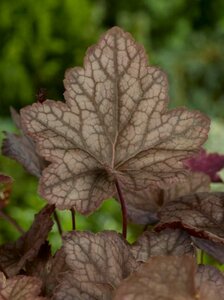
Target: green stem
x=57, y=220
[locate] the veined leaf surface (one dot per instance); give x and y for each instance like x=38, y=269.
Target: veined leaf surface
x=114, y=126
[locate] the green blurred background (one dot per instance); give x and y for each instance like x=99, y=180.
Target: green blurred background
x=40, y=39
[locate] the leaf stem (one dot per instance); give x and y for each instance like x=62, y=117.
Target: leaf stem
x=123, y=209
x=73, y=218
x=57, y=220
x=11, y=221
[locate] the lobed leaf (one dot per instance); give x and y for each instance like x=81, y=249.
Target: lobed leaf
x=167, y=242
x=201, y=214
x=97, y=263
x=13, y=256
x=168, y=278
x=160, y=278
x=113, y=126
x=144, y=205
x=22, y=148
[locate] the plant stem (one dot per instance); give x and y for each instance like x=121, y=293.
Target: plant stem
x=73, y=218
x=123, y=209
x=11, y=221
x=57, y=220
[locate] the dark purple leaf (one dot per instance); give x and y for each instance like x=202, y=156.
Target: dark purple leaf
x=13, y=256
x=208, y=163
x=48, y=269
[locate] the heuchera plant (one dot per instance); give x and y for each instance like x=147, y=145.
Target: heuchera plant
x=114, y=136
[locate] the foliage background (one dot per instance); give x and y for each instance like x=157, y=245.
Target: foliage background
x=40, y=39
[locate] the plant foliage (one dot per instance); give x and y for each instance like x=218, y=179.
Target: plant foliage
x=114, y=136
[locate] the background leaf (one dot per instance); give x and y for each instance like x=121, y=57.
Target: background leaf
x=208, y=163
x=200, y=214
x=143, y=205
x=22, y=148
x=167, y=277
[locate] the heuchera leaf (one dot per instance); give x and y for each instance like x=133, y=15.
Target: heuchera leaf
x=5, y=189
x=144, y=205
x=113, y=126
x=200, y=214
x=22, y=148
x=167, y=242
x=97, y=263
x=167, y=278
x=21, y=288
x=210, y=281
x=209, y=273
x=13, y=256
x=208, y=163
